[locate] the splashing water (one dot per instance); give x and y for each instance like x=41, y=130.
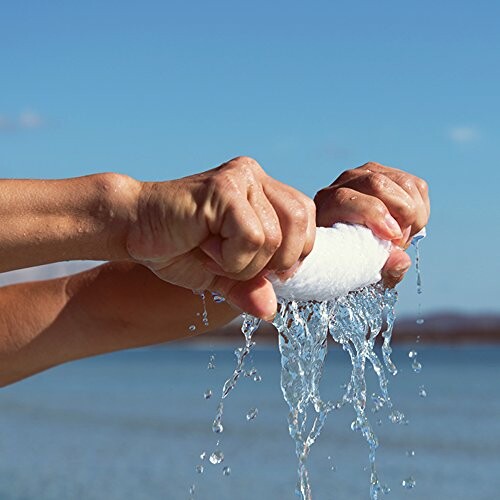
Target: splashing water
x=418, y=271
x=249, y=326
x=354, y=321
x=204, y=316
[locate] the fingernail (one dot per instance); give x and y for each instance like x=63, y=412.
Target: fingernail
x=393, y=226
x=270, y=319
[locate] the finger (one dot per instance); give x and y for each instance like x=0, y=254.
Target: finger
x=405, y=241
x=273, y=236
x=240, y=238
x=395, y=268
x=421, y=212
x=347, y=205
x=255, y=296
x=403, y=204
x=296, y=215
x=416, y=187
x=423, y=202
x=270, y=227
x=423, y=188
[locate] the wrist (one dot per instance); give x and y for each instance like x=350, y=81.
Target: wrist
x=115, y=209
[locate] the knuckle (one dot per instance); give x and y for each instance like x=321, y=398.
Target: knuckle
x=377, y=181
x=346, y=176
x=247, y=162
x=223, y=182
x=341, y=196
x=422, y=185
x=408, y=184
x=370, y=164
x=310, y=207
x=407, y=211
x=273, y=241
x=322, y=195
x=300, y=215
x=253, y=239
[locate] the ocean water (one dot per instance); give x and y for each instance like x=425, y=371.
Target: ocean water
x=133, y=425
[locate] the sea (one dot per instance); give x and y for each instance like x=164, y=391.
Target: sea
x=133, y=425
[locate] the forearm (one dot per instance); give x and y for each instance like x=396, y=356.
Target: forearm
x=85, y=218
x=113, y=307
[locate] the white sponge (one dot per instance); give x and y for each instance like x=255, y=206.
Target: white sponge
x=345, y=257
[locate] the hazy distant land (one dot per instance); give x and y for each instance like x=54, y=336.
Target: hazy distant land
x=445, y=328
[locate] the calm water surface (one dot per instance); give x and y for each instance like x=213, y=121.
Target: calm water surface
x=132, y=426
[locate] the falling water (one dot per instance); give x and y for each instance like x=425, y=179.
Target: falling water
x=354, y=321
x=416, y=244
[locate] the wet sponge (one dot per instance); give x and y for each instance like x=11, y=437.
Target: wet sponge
x=345, y=257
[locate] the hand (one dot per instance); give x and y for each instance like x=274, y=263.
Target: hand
x=223, y=230
x=392, y=203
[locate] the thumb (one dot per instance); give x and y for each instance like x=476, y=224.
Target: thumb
x=396, y=266
x=255, y=296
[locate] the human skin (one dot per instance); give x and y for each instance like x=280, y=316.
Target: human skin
x=222, y=230
x=394, y=204
x=112, y=307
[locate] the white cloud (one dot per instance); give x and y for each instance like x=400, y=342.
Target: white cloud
x=30, y=119
x=464, y=134
x=27, y=120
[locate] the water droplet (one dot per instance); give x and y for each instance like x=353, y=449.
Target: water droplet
x=420, y=321
x=216, y=457
x=333, y=468
x=385, y=489
x=218, y=299
x=409, y=483
x=192, y=328
x=343, y=386
x=412, y=354
x=226, y=471
x=397, y=417
x=422, y=392
x=416, y=366
x=378, y=403
x=211, y=362
x=217, y=427
x=192, y=489
x=379, y=422
x=251, y=372
x=207, y=394
x=252, y=413
x=200, y=469
x=410, y=453
x=257, y=378
x=201, y=293
x=355, y=425
x=203, y=455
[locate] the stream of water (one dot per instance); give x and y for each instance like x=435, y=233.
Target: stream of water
x=355, y=321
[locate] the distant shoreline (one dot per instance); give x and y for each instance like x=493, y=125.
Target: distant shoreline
x=443, y=328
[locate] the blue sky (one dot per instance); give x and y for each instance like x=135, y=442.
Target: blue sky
x=159, y=90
